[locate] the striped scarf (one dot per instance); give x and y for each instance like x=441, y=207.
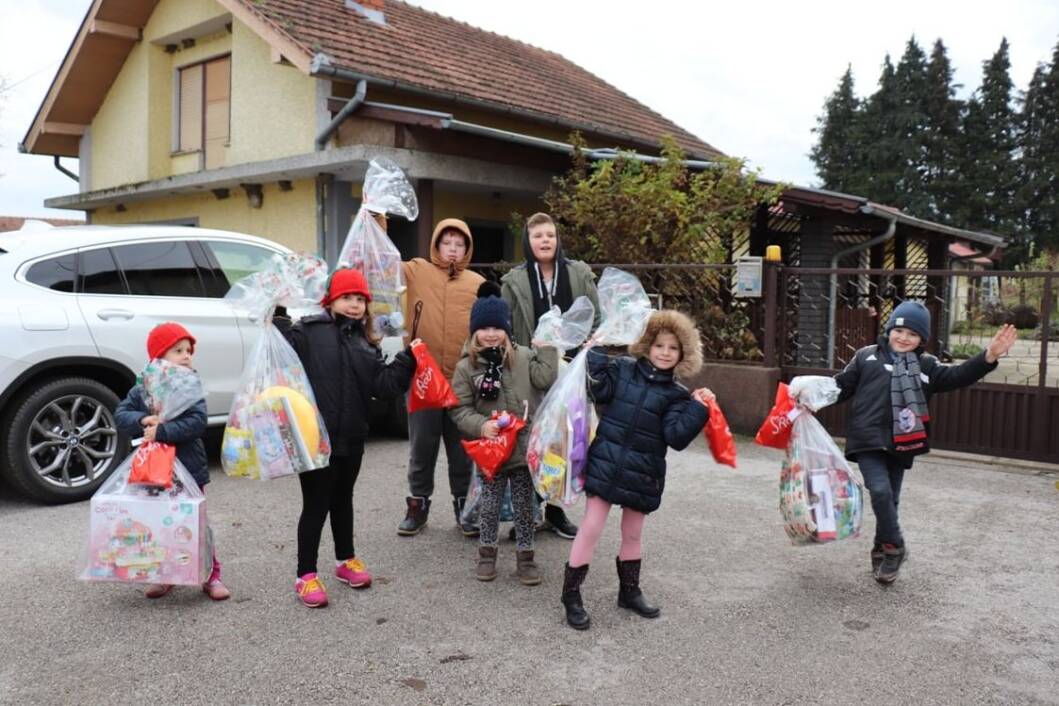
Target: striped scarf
x=910, y=413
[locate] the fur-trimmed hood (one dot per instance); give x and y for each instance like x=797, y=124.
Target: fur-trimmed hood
x=684, y=329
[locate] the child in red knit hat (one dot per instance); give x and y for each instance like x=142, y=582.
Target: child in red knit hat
x=173, y=343
x=340, y=351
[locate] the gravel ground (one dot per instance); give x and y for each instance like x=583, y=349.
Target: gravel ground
x=747, y=618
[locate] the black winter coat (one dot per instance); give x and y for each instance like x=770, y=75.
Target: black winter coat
x=185, y=432
x=866, y=379
x=346, y=372
x=647, y=410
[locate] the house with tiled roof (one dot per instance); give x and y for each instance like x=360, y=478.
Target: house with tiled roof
x=261, y=115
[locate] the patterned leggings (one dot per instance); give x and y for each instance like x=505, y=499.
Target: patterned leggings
x=521, y=500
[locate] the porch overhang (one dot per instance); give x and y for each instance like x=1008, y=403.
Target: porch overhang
x=349, y=163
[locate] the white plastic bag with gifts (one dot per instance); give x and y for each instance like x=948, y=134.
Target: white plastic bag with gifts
x=274, y=427
x=623, y=307
x=821, y=499
x=141, y=534
x=814, y=392
x=369, y=249
x=563, y=426
x=566, y=330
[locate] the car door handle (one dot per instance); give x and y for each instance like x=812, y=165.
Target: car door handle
x=108, y=314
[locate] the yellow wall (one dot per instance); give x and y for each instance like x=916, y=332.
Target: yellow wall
x=272, y=105
x=287, y=217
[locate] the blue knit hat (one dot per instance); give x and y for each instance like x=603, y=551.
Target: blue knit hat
x=491, y=311
x=911, y=315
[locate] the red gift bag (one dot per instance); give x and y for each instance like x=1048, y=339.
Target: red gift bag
x=153, y=464
x=490, y=454
x=429, y=389
x=719, y=436
x=775, y=431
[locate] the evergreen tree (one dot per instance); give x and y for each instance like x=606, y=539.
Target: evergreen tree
x=833, y=154
x=989, y=176
x=877, y=141
x=1038, y=144
x=910, y=131
x=942, y=136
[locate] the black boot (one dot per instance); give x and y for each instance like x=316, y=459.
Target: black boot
x=466, y=525
x=557, y=521
x=629, y=594
x=576, y=617
x=893, y=557
x=416, y=517
x=876, y=558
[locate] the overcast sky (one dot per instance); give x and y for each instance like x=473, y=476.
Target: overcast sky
x=747, y=77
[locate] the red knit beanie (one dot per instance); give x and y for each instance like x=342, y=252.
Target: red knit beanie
x=346, y=281
x=164, y=336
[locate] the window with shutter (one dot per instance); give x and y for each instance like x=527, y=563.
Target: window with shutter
x=205, y=110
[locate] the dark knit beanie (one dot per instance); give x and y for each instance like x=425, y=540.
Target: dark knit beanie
x=911, y=315
x=491, y=311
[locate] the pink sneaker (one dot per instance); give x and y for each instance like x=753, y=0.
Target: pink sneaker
x=353, y=572
x=311, y=590
x=216, y=590
x=157, y=590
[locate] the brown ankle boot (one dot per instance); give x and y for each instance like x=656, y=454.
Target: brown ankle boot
x=526, y=569
x=486, y=564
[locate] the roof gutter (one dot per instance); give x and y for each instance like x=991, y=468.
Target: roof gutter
x=62, y=169
x=321, y=67
x=832, y=304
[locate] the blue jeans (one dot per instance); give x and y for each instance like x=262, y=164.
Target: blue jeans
x=883, y=475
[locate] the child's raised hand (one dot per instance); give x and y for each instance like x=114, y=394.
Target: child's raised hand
x=150, y=421
x=1001, y=343
x=703, y=395
x=150, y=432
x=490, y=429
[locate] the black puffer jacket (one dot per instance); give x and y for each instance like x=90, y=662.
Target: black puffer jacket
x=185, y=432
x=346, y=372
x=866, y=379
x=647, y=411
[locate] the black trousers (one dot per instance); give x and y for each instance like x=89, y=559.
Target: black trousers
x=328, y=491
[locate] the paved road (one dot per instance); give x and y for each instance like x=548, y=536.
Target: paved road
x=746, y=617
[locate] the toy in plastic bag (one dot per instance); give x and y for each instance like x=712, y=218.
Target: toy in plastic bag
x=719, y=436
x=294, y=280
x=775, y=431
x=814, y=392
x=140, y=534
x=169, y=390
x=566, y=330
x=563, y=427
x=821, y=499
x=274, y=427
x=369, y=249
x=490, y=454
x=623, y=307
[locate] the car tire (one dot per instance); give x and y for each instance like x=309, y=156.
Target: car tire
x=39, y=432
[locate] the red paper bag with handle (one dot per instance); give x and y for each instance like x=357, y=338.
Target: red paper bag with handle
x=775, y=431
x=719, y=436
x=152, y=464
x=490, y=454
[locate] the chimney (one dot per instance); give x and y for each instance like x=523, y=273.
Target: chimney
x=373, y=10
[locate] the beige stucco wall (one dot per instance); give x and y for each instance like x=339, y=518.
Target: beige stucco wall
x=287, y=217
x=272, y=105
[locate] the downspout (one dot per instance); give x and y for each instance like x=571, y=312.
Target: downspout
x=832, y=305
x=64, y=170
x=321, y=143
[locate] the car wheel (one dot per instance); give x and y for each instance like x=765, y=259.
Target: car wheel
x=61, y=441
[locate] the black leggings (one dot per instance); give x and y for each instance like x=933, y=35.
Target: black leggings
x=328, y=490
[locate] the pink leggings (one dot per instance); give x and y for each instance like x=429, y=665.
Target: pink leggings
x=591, y=529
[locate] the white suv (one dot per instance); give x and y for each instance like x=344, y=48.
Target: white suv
x=76, y=304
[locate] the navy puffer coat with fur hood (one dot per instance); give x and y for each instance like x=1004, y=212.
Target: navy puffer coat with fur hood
x=646, y=412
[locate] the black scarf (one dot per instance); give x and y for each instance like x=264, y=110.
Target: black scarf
x=909, y=405
x=558, y=293
x=489, y=385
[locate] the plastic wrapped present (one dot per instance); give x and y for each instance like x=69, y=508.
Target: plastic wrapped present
x=293, y=280
x=139, y=534
x=821, y=499
x=565, y=330
x=624, y=309
x=369, y=249
x=814, y=392
x=563, y=426
x=169, y=390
